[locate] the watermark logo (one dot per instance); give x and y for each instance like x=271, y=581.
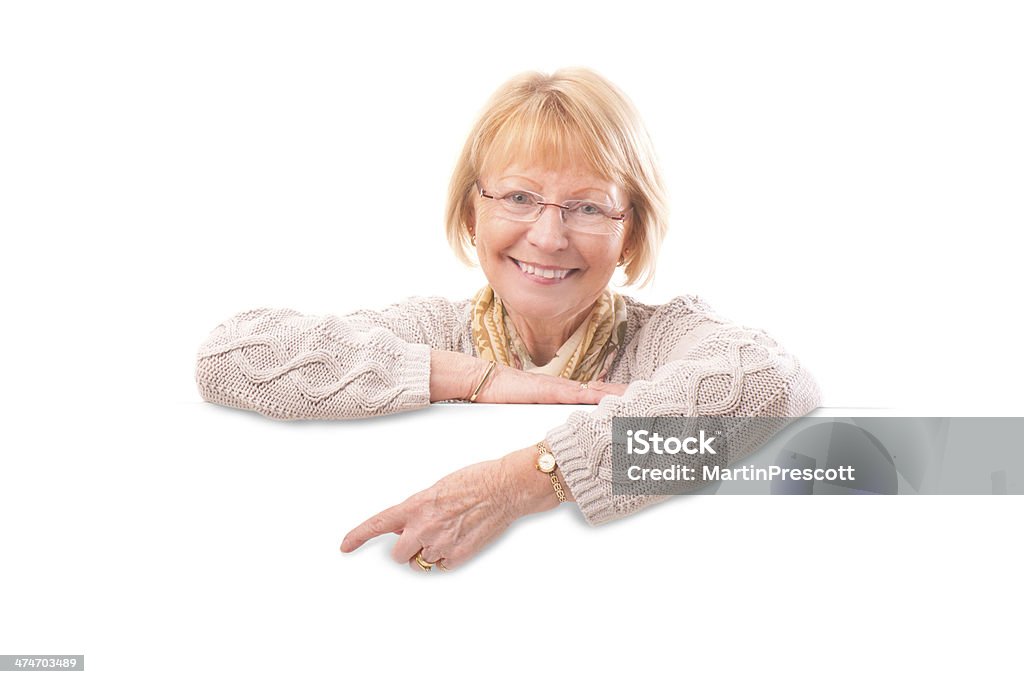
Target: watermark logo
x=644, y=442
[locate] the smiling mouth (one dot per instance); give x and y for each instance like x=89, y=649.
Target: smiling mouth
x=553, y=274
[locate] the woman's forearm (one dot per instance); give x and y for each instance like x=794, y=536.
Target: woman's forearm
x=293, y=366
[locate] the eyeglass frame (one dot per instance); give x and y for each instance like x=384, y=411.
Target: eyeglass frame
x=483, y=193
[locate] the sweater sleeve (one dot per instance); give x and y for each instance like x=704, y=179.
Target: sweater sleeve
x=291, y=366
x=687, y=362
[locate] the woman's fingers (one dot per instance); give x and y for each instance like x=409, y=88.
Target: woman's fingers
x=588, y=396
x=456, y=558
x=407, y=546
x=430, y=556
x=591, y=392
x=611, y=388
x=390, y=520
x=440, y=563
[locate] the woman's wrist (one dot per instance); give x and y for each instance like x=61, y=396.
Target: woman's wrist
x=532, y=490
x=453, y=375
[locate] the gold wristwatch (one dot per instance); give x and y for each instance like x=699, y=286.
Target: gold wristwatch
x=547, y=465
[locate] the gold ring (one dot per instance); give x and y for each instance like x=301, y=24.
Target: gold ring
x=422, y=562
x=584, y=385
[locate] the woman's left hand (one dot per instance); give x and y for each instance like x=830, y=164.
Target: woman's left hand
x=448, y=522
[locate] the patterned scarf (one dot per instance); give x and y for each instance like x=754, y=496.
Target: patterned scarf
x=587, y=354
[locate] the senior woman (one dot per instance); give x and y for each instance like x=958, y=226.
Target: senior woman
x=556, y=187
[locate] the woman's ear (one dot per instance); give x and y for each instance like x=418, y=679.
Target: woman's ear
x=469, y=220
x=627, y=240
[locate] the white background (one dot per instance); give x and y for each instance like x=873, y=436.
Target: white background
x=847, y=177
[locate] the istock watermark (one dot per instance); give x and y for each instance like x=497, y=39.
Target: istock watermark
x=641, y=442
x=858, y=455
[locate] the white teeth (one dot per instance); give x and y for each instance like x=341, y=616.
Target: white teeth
x=543, y=272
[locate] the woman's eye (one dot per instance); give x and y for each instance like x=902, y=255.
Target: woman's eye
x=519, y=198
x=590, y=209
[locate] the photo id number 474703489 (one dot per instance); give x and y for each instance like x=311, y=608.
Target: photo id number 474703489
x=12, y=663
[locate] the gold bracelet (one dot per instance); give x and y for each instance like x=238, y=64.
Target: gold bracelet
x=487, y=374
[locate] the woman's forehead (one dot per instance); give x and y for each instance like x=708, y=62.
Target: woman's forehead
x=539, y=176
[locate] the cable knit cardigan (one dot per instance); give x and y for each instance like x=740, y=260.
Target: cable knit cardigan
x=678, y=358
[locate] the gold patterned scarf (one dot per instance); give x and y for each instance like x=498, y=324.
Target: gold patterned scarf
x=587, y=354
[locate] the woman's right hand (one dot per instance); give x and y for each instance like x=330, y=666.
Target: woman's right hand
x=511, y=386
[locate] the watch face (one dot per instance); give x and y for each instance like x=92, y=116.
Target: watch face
x=546, y=463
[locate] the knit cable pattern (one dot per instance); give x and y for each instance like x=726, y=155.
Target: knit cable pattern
x=291, y=366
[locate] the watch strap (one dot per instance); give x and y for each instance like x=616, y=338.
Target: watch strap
x=542, y=449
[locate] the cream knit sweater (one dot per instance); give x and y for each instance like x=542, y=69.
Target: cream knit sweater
x=678, y=358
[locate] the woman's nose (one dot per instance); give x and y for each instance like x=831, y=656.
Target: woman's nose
x=549, y=232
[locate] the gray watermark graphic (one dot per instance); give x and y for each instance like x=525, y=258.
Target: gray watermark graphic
x=824, y=456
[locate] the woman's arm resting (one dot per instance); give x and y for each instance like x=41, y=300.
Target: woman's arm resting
x=287, y=365
x=731, y=371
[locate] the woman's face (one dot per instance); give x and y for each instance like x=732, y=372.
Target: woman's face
x=514, y=254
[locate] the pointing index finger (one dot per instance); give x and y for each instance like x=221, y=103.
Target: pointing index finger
x=390, y=520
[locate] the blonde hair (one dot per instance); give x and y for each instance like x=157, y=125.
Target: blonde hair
x=573, y=116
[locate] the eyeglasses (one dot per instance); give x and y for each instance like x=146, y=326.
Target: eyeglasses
x=584, y=216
